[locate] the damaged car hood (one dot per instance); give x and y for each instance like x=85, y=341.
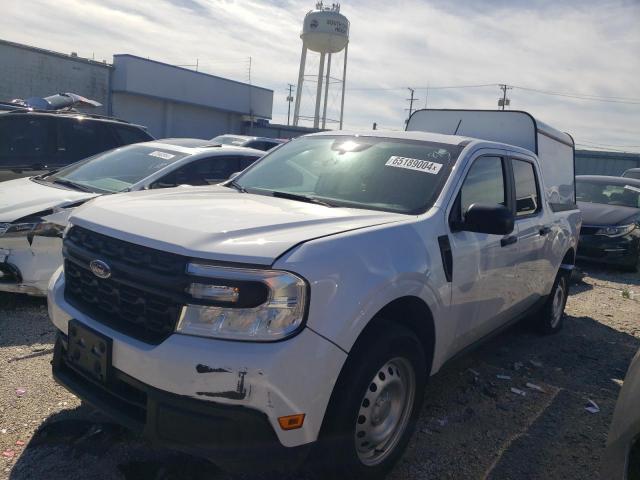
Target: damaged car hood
x=601, y=214
x=219, y=223
x=22, y=197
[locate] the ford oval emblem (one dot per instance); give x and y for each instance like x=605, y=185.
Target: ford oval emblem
x=100, y=269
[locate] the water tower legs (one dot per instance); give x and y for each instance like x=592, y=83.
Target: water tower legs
x=316, y=116
x=344, y=83
x=326, y=93
x=303, y=61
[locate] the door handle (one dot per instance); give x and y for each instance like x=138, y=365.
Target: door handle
x=544, y=230
x=508, y=240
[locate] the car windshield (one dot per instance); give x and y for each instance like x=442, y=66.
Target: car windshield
x=115, y=170
x=608, y=193
x=395, y=175
x=229, y=140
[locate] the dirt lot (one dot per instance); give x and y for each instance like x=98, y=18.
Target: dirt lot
x=472, y=425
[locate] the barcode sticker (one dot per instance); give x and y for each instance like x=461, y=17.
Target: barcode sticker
x=414, y=164
x=164, y=155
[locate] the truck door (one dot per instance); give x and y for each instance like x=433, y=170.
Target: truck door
x=534, y=267
x=483, y=264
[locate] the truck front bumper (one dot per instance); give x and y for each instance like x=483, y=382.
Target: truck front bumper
x=259, y=382
x=238, y=438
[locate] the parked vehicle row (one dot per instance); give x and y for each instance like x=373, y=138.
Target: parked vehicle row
x=297, y=311
x=290, y=310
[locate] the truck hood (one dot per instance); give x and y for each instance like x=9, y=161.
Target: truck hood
x=22, y=197
x=219, y=223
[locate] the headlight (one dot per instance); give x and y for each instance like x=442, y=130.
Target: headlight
x=31, y=229
x=616, y=230
x=243, y=304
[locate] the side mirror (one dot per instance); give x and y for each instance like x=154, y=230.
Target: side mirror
x=493, y=219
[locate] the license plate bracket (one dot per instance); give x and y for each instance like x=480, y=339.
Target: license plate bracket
x=89, y=351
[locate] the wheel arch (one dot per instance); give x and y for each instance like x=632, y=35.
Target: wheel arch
x=412, y=313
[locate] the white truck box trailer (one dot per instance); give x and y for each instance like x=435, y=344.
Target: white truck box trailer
x=555, y=149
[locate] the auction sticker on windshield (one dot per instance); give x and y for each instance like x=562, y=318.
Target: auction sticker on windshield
x=164, y=155
x=414, y=164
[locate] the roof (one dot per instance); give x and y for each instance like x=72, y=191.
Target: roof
x=411, y=135
x=68, y=113
x=611, y=180
x=57, y=54
x=193, y=146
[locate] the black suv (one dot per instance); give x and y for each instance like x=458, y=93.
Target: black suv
x=33, y=141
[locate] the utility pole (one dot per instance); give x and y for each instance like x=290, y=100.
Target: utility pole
x=289, y=100
x=410, y=100
x=504, y=101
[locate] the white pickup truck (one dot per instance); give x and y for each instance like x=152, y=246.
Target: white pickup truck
x=297, y=311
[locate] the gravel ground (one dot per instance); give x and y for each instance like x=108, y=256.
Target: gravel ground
x=472, y=425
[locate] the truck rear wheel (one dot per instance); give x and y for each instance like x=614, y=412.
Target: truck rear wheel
x=375, y=405
x=551, y=317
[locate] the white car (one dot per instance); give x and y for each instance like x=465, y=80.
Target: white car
x=34, y=211
x=300, y=308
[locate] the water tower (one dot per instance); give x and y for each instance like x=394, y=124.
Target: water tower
x=325, y=31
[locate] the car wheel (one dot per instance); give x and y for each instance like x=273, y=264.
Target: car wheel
x=551, y=317
x=374, y=405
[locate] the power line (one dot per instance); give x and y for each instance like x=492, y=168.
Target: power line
x=595, y=98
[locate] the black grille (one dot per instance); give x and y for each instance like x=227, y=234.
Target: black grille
x=142, y=297
x=587, y=230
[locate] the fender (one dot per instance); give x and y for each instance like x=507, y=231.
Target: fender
x=377, y=266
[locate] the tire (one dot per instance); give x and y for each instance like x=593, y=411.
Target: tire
x=550, y=319
x=374, y=406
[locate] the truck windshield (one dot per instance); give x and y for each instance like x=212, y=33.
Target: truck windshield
x=115, y=170
x=395, y=175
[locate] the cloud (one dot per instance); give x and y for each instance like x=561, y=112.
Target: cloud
x=588, y=48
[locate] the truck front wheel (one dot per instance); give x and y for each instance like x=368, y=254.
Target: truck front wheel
x=375, y=404
x=551, y=317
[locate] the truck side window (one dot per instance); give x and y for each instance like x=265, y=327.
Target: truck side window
x=484, y=184
x=526, y=188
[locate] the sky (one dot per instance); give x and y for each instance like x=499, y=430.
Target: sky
x=579, y=48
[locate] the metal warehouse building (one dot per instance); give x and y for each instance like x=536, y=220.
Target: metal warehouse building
x=170, y=101
x=595, y=162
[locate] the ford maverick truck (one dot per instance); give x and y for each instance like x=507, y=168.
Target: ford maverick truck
x=295, y=313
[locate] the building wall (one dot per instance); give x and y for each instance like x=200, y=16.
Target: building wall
x=165, y=118
x=154, y=79
x=33, y=72
x=594, y=162
x=275, y=130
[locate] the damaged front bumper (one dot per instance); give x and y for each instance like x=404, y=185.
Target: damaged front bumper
x=201, y=378
x=27, y=264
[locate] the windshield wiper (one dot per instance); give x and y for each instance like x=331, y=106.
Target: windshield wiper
x=238, y=187
x=73, y=185
x=301, y=198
